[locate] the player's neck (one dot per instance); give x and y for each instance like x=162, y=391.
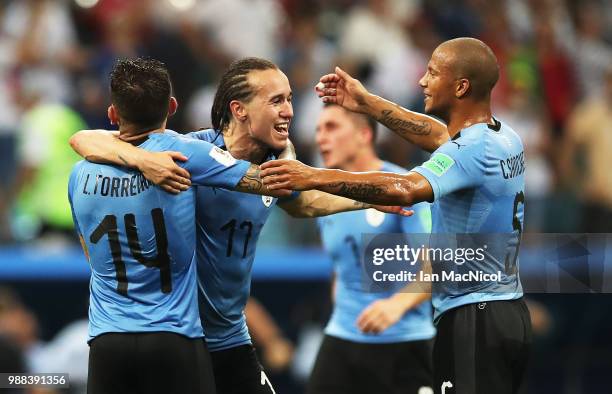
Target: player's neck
x=242, y=146
x=468, y=115
x=366, y=161
x=135, y=135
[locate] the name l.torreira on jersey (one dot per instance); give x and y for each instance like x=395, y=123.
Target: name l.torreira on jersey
x=107, y=186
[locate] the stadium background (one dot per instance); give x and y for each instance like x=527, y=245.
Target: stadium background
x=55, y=56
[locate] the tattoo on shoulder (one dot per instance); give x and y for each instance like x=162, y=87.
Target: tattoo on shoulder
x=403, y=126
x=357, y=191
x=251, y=181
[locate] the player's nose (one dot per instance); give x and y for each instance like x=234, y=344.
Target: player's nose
x=287, y=110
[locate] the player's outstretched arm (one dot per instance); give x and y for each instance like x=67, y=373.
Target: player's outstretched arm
x=315, y=203
x=422, y=130
x=383, y=188
x=103, y=146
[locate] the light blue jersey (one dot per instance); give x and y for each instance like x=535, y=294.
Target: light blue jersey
x=478, y=183
x=341, y=234
x=141, y=240
x=228, y=227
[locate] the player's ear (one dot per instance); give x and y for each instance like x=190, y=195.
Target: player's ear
x=113, y=116
x=172, y=106
x=238, y=110
x=462, y=87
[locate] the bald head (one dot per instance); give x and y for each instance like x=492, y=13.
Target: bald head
x=473, y=60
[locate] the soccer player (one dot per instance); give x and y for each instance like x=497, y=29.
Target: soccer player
x=144, y=327
x=251, y=114
x=374, y=342
x=476, y=180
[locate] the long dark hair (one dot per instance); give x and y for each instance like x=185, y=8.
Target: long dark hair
x=234, y=86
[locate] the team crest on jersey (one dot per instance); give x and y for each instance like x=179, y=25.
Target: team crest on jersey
x=222, y=156
x=374, y=217
x=267, y=200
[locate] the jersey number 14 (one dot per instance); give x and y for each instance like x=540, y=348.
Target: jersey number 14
x=161, y=261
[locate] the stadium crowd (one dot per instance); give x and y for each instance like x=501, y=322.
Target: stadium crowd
x=555, y=86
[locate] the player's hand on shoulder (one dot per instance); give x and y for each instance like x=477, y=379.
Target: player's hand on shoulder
x=342, y=89
x=379, y=316
x=288, y=174
x=161, y=169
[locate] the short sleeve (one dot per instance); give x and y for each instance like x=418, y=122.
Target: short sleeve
x=210, y=165
x=454, y=166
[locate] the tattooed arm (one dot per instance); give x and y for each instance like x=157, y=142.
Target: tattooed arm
x=422, y=130
x=252, y=183
x=315, y=203
x=384, y=188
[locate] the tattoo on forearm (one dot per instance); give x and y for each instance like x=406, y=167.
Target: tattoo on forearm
x=402, y=126
x=123, y=160
x=357, y=191
x=361, y=205
x=251, y=181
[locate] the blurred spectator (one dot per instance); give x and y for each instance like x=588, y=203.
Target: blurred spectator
x=592, y=54
x=372, y=30
x=68, y=352
x=586, y=150
x=46, y=45
x=9, y=118
x=45, y=161
x=524, y=113
x=306, y=56
x=241, y=27
x=268, y=337
x=19, y=325
x=557, y=76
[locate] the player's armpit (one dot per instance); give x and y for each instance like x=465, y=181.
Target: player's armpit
x=252, y=183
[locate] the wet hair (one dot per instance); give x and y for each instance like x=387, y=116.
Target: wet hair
x=235, y=86
x=140, y=91
x=368, y=120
